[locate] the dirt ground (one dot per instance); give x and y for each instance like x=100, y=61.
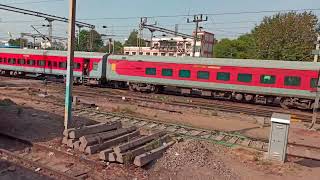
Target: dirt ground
x=207, y=161
x=189, y=159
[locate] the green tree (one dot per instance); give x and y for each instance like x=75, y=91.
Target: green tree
x=118, y=46
x=133, y=39
x=224, y=49
x=286, y=36
x=242, y=48
x=18, y=42
x=88, y=37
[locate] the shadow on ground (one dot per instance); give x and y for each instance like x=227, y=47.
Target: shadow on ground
x=32, y=124
x=10, y=171
x=308, y=163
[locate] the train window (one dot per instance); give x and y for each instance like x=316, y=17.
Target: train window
x=55, y=64
x=267, y=79
x=3, y=60
x=223, y=76
x=140, y=53
x=245, y=77
x=31, y=62
x=21, y=61
x=63, y=65
x=148, y=54
x=155, y=54
x=167, y=72
x=76, y=65
x=12, y=61
x=203, y=75
x=49, y=63
x=292, y=81
x=151, y=71
x=41, y=63
x=313, y=82
x=95, y=66
x=184, y=73
x=163, y=54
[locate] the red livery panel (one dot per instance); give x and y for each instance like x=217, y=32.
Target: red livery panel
x=137, y=68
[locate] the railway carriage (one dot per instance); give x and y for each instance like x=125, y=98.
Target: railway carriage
x=260, y=81
x=88, y=67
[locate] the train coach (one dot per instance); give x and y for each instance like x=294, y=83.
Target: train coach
x=292, y=83
x=88, y=67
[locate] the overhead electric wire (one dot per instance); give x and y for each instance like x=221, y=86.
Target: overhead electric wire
x=206, y=14
x=34, y=2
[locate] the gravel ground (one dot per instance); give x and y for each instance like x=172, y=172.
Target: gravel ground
x=192, y=160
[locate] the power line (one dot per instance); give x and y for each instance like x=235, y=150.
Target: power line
x=207, y=14
x=34, y=2
x=48, y=17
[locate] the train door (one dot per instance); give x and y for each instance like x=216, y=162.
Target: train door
x=49, y=65
x=85, y=71
x=86, y=67
x=43, y=62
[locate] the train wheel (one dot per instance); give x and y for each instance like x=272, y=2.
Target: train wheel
x=239, y=97
x=248, y=97
x=312, y=105
x=285, y=103
x=132, y=87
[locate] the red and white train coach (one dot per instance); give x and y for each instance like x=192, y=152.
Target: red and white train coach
x=259, y=81
x=87, y=66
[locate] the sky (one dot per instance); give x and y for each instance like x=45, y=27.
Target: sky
x=226, y=19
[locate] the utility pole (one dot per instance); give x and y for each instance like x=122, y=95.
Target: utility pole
x=196, y=19
x=50, y=29
x=176, y=29
x=113, y=46
x=316, y=56
x=91, y=40
x=109, y=45
x=316, y=101
x=68, y=123
x=143, y=21
x=79, y=31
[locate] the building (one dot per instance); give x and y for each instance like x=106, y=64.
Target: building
x=176, y=46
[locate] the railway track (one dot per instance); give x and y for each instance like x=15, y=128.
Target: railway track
x=42, y=159
x=228, y=139
x=195, y=103
x=255, y=110
x=219, y=137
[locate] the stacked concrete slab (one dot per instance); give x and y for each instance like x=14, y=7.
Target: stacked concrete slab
x=131, y=151
x=118, y=144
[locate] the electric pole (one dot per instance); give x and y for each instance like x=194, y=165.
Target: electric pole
x=316, y=101
x=50, y=28
x=316, y=56
x=143, y=21
x=78, y=36
x=68, y=123
x=196, y=19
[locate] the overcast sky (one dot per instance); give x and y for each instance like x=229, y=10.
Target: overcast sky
x=121, y=15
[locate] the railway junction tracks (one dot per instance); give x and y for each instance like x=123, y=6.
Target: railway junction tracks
x=229, y=139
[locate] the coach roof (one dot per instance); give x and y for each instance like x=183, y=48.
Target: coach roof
x=51, y=52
